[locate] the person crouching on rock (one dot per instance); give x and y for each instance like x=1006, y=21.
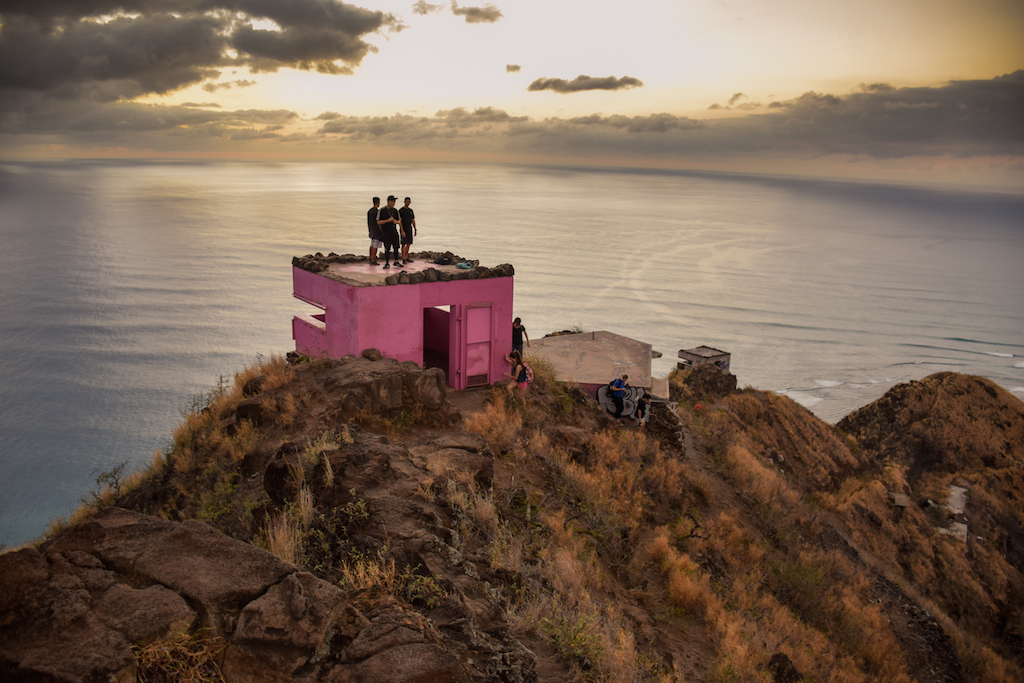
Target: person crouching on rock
x=519, y=374
x=643, y=411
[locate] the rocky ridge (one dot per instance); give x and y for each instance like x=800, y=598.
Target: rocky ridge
x=467, y=537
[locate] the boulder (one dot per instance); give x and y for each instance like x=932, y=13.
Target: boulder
x=292, y=624
x=709, y=382
x=145, y=615
x=189, y=558
x=411, y=663
x=255, y=410
x=385, y=386
x=254, y=386
x=74, y=611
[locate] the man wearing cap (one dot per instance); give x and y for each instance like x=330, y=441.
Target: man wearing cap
x=374, y=229
x=408, y=228
x=389, y=222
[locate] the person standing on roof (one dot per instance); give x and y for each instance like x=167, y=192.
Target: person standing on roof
x=374, y=230
x=389, y=222
x=518, y=333
x=408, y=228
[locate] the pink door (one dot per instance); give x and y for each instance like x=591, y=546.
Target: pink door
x=478, y=344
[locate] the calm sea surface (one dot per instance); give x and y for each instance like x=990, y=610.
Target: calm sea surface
x=126, y=288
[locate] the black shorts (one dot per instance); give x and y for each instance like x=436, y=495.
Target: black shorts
x=390, y=238
x=408, y=235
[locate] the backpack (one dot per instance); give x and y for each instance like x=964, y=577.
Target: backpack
x=529, y=372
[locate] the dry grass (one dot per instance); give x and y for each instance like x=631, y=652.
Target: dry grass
x=284, y=538
x=377, y=574
x=763, y=484
x=328, y=472
x=370, y=573
x=180, y=659
x=688, y=588
x=307, y=507
x=498, y=422
x=566, y=603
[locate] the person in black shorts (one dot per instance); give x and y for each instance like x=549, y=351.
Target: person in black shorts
x=518, y=332
x=388, y=220
x=408, y=228
x=374, y=230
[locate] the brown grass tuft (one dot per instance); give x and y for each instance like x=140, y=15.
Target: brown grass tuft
x=498, y=423
x=186, y=658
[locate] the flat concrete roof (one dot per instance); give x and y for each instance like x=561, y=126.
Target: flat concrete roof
x=703, y=352
x=361, y=272
x=594, y=357
x=357, y=271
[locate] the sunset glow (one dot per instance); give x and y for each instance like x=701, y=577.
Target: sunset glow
x=907, y=89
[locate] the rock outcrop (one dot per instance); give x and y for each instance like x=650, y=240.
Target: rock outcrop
x=75, y=609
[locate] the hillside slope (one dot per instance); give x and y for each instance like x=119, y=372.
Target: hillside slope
x=738, y=538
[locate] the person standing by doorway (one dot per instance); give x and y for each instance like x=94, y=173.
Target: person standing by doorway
x=388, y=220
x=518, y=334
x=408, y=228
x=374, y=230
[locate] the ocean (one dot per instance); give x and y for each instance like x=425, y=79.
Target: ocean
x=129, y=287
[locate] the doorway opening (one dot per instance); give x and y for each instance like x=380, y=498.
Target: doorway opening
x=436, y=333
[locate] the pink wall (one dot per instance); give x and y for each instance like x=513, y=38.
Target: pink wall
x=390, y=318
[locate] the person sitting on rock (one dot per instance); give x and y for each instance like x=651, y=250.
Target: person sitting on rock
x=519, y=374
x=643, y=411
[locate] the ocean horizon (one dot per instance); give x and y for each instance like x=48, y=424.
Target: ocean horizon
x=130, y=287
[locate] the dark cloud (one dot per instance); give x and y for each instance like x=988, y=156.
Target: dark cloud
x=397, y=129
x=963, y=118
x=488, y=14
x=147, y=54
x=460, y=118
x=227, y=85
x=736, y=103
x=129, y=123
x=268, y=133
x=70, y=69
x=653, y=123
x=447, y=129
x=423, y=7
x=582, y=83
x=76, y=50
x=512, y=68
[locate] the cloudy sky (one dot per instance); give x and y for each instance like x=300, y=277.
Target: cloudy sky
x=929, y=89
